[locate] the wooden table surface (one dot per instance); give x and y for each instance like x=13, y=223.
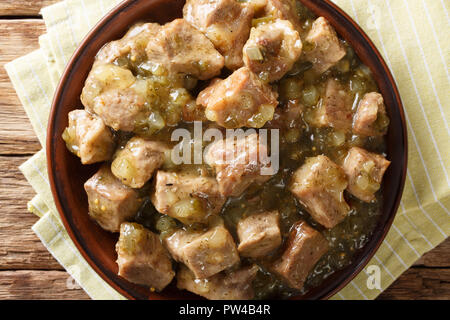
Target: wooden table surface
x=27, y=270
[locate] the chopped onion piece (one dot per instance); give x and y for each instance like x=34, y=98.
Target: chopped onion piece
x=362, y=182
x=254, y=53
x=338, y=138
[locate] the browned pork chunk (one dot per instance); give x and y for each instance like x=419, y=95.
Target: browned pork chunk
x=238, y=164
x=304, y=249
x=206, y=254
x=371, y=118
x=207, y=94
x=272, y=49
x=241, y=100
x=110, y=202
x=226, y=23
x=324, y=49
x=319, y=185
x=227, y=285
x=181, y=48
x=186, y=197
x=131, y=46
x=88, y=137
x=141, y=257
x=259, y=234
x=135, y=164
x=284, y=10
x=336, y=108
x=365, y=172
x=121, y=109
x=289, y=116
x=114, y=94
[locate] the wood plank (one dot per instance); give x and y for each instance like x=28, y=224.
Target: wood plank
x=20, y=247
x=17, y=37
x=420, y=284
x=438, y=257
x=39, y=285
x=23, y=7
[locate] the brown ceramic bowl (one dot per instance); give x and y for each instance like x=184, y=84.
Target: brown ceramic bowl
x=67, y=175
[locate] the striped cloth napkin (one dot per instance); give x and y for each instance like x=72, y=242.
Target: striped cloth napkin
x=412, y=35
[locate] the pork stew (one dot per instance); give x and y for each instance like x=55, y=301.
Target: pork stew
x=241, y=228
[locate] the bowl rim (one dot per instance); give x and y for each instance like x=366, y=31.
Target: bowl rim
x=53, y=174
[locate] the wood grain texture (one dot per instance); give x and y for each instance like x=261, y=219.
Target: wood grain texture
x=30, y=284
x=420, y=284
x=439, y=257
x=17, y=37
x=19, y=246
x=27, y=270
x=23, y=8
